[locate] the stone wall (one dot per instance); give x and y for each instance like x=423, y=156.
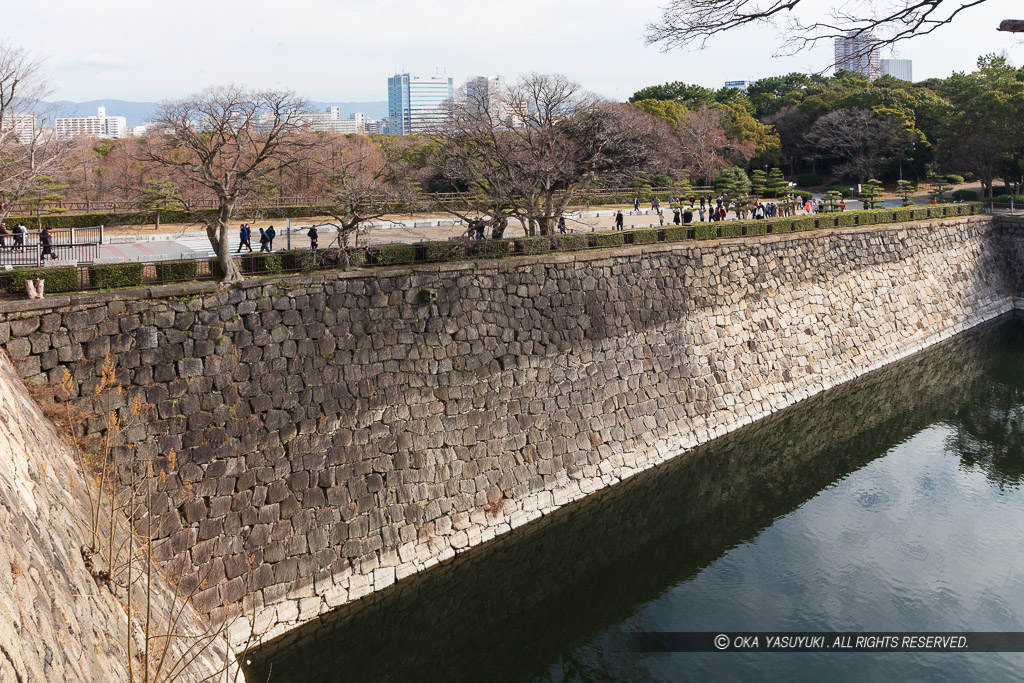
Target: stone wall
x=56, y=622
x=336, y=432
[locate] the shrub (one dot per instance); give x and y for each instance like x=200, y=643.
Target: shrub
x=808, y=180
x=608, y=238
x=841, y=189
x=1005, y=199
x=919, y=214
x=642, y=236
x=965, y=196
x=804, y=224
x=954, y=179
x=112, y=275
x=61, y=279
x=167, y=271
x=846, y=220
x=440, y=251
x=261, y=264
x=824, y=221
x=901, y=215
x=705, y=231
x=298, y=259
x=675, y=233
x=489, y=249
x=869, y=217
x=572, y=242
x=760, y=227
x=391, y=254
x=732, y=229
x=533, y=245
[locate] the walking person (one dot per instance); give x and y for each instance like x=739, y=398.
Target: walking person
x=243, y=238
x=618, y=220
x=688, y=215
x=19, y=236
x=264, y=241
x=661, y=218
x=3, y=236
x=675, y=216
x=312, y=234
x=46, y=242
x=636, y=204
x=271, y=233
x=561, y=224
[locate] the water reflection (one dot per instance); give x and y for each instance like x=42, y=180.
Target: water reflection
x=539, y=603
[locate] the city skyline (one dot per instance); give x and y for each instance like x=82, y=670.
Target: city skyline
x=594, y=43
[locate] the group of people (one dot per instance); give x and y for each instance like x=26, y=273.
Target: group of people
x=17, y=234
x=267, y=238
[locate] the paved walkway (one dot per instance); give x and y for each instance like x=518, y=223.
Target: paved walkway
x=194, y=244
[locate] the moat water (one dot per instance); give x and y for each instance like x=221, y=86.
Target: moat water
x=894, y=503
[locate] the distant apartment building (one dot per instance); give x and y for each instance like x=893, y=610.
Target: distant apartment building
x=329, y=120
x=902, y=69
x=22, y=125
x=99, y=126
x=858, y=53
x=416, y=102
x=739, y=85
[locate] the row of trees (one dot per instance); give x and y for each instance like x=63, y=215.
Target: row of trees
x=847, y=126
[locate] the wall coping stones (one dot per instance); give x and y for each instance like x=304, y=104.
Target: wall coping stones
x=505, y=264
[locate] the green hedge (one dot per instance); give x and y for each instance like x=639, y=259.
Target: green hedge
x=391, y=254
x=642, y=236
x=705, y=231
x=61, y=279
x=965, y=196
x=533, y=245
x=489, y=249
x=608, y=238
x=761, y=227
x=804, y=223
x=846, y=220
x=109, y=276
x=825, y=221
x=732, y=229
x=177, y=270
x=440, y=251
x=901, y=215
x=572, y=242
x=675, y=233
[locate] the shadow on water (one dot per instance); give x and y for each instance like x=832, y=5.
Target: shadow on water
x=507, y=610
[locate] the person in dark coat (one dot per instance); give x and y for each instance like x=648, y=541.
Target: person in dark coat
x=46, y=242
x=264, y=241
x=312, y=237
x=3, y=235
x=618, y=220
x=243, y=238
x=271, y=233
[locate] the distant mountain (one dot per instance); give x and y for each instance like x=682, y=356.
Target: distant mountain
x=141, y=112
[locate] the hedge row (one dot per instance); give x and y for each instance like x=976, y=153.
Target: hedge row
x=66, y=279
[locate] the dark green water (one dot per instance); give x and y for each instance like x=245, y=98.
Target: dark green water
x=893, y=503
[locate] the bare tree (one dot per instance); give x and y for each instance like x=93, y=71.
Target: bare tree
x=31, y=155
x=226, y=140
x=981, y=155
x=530, y=151
x=706, y=149
x=692, y=23
x=364, y=181
x=859, y=140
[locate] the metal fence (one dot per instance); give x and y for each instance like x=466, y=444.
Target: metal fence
x=113, y=206
x=80, y=245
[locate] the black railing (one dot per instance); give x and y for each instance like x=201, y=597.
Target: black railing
x=80, y=245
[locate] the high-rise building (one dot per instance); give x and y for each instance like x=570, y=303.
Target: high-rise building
x=415, y=102
x=902, y=69
x=99, y=126
x=858, y=52
x=489, y=95
x=23, y=125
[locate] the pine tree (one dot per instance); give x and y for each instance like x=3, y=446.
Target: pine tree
x=870, y=192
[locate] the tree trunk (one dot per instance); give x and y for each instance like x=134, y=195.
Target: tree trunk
x=218, y=234
x=498, y=225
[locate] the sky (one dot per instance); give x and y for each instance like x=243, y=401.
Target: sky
x=331, y=50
